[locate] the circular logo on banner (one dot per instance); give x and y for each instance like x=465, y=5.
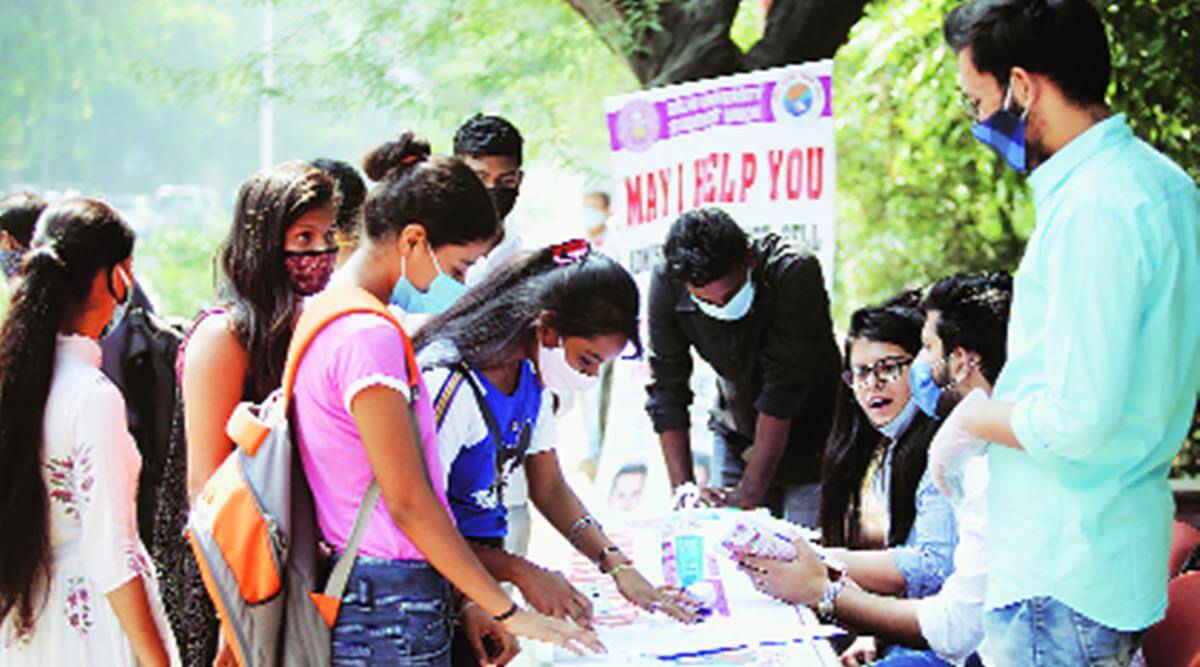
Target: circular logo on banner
x=800, y=95
x=638, y=125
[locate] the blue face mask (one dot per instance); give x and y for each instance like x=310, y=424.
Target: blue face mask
x=925, y=392
x=735, y=309
x=900, y=423
x=1004, y=132
x=10, y=262
x=441, y=294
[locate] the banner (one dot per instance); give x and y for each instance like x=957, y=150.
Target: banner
x=758, y=145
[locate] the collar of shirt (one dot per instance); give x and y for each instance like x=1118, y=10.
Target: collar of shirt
x=1052, y=173
x=83, y=348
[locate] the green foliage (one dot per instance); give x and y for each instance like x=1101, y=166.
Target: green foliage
x=176, y=266
x=918, y=197
x=71, y=111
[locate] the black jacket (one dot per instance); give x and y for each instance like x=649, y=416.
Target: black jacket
x=780, y=359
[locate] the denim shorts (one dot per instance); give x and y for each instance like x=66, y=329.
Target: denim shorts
x=394, y=612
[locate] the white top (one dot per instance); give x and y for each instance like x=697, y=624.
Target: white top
x=90, y=465
x=509, y=246
x=952, y=620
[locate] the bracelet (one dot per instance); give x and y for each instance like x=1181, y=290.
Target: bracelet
x=610, y=549
x=619, y=568
x=579, y=526
x=512, y=611
x=826, y=607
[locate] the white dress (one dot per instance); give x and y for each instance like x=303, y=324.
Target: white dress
x=90, y=466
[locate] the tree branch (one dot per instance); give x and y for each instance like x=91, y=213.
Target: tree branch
x=802, y=30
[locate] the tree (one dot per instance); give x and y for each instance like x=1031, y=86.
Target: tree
x=667, y=42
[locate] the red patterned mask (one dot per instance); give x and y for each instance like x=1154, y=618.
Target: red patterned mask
x=310, y=271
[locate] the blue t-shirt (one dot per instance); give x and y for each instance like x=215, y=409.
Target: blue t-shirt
x=478, y=467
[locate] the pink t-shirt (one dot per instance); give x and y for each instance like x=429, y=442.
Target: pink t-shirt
x=350, y=354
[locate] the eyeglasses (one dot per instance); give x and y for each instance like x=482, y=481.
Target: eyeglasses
x=886, y=370
x=569, y=252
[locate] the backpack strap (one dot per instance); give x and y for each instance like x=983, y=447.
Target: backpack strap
x=340, y=576
x=445, y=395
x=328, y=306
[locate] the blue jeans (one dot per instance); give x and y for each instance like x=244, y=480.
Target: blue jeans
x=798, y=503
x=393, y=612
x=1042, y=631
x=902, y=656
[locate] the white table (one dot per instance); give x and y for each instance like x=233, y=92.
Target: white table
x=767, y=632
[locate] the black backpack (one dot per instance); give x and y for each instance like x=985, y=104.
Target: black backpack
x=147, y=363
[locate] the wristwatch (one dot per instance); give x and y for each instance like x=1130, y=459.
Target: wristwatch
x=826, y=608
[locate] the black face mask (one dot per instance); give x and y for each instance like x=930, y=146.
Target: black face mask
x=504, y=199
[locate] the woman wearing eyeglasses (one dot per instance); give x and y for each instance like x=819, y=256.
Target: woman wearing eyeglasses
x=877, y=451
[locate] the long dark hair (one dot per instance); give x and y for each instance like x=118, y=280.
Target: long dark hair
x=441, y=194
x=75, y=240
x=854, y=442
x=254, y=286
x=590, y=296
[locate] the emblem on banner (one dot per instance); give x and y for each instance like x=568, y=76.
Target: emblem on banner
x=638, y=125
x=800, y=95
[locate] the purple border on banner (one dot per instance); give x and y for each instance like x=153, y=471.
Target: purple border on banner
x=618, y=121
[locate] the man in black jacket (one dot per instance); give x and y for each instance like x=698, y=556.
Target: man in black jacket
x=758, y=313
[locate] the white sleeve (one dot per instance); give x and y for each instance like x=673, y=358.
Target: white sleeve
x=107, y=468
x=545, y=433
x=462, y=424
x=952, y=620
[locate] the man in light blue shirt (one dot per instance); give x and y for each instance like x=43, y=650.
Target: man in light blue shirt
x=1103, y=348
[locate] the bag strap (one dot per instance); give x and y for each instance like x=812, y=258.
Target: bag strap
x=328, y=306
x=485, y=410
x=340, y=576
x=489, y=418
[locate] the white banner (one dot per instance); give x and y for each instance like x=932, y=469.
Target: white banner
x=758, y=145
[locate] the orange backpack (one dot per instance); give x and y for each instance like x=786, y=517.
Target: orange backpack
x=254, y=529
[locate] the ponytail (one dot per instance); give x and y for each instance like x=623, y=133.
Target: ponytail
x=441, y=194
x=585, y=294
x=75, y=240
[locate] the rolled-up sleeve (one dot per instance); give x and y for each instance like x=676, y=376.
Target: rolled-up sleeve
x=796, y=346
x=1094, y=282
x=670, y=359
x=927, y=558
x=952, y=621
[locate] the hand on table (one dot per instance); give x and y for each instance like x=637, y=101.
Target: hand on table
x=742, y=495
x=800, y=581
x=550, y=593
x=667, y=599
x=860, y=654
x=478, y=624
x=556, y=631
x=952, y=447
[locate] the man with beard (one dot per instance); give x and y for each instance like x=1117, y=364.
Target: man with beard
x=966, y=321
x=1103, y=349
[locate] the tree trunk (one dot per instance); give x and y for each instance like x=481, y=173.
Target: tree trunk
x=670, y=41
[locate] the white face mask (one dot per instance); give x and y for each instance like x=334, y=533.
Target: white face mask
x=736, y=309
x=122, y=307
x=557, y=373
